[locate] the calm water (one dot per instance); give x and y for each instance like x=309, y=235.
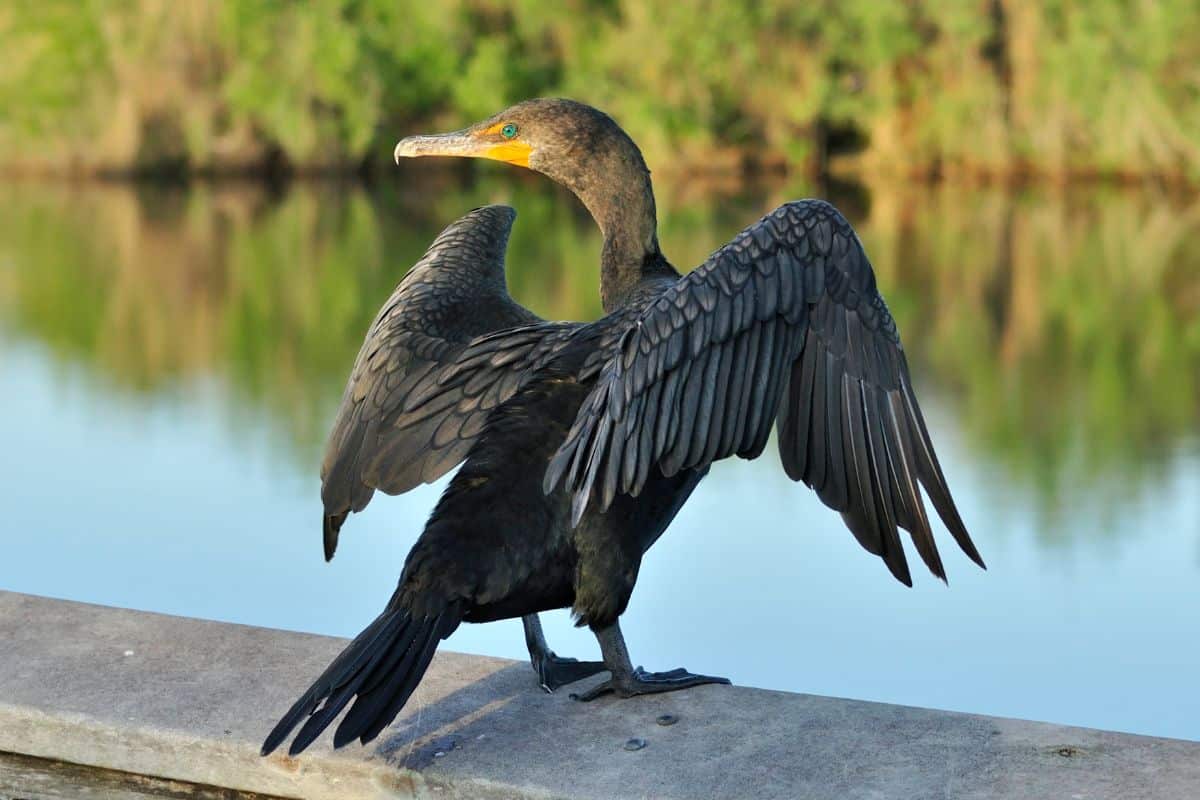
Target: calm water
x=170, y=361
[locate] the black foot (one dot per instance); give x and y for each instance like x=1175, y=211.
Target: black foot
x=555, y=671
x=642, y=682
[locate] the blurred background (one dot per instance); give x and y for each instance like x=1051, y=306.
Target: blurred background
x=199, y=218
x=985, y=88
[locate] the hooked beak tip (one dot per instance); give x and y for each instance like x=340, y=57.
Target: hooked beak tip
x=442, y=144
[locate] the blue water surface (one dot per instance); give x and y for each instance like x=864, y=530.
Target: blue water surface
x=180, y=498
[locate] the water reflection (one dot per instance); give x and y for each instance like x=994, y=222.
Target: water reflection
x=1070, y=325
x=170, y=361
x=1063, y=329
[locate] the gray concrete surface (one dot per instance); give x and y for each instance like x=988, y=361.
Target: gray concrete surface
x=188, y=700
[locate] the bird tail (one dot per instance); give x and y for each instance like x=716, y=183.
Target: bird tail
x=382, y=667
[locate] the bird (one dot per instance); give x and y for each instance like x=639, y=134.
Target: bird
x=580, y=442
x=454, y=293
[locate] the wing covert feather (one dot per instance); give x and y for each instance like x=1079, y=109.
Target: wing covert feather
x=782, y=325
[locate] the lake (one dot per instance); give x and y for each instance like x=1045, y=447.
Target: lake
x=171, y=358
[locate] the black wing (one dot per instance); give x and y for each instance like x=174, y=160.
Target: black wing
x=784, y=324
x=399, y=424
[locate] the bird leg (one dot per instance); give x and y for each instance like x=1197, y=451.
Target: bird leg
x=554, y=671
x=627, y=681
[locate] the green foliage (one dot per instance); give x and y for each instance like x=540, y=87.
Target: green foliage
x=53, y=61
x=1107, y=87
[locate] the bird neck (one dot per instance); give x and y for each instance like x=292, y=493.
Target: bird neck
x=613, y=183
x=630, y=253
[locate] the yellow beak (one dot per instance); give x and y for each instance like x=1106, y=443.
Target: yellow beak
x=463, y=144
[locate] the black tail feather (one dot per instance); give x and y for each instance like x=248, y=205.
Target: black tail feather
x=320, y=719
x=372, y=711
x=347, y=662
x=382, y=666
x=367, y=706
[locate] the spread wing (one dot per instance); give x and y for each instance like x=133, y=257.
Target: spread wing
x=400, y=424
x=783, y=325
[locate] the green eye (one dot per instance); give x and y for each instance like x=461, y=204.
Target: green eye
x=508, y=131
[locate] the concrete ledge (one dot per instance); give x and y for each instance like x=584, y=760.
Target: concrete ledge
x=131, y=694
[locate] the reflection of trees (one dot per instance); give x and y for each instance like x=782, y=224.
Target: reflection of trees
x=1066, y=329
x=272, y=294
x=1068, y=326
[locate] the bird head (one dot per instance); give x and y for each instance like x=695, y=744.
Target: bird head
x=563, y=139
x=578, y=147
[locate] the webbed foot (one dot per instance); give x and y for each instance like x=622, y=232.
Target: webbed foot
x=555, y=671
x=639, y=681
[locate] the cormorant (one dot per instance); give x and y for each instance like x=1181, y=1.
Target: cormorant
x=582, y=441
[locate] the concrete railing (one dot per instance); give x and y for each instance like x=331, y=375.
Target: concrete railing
x=102, y=702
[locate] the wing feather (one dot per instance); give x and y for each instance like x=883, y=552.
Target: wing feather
x=447, y=348
x=786, y=313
